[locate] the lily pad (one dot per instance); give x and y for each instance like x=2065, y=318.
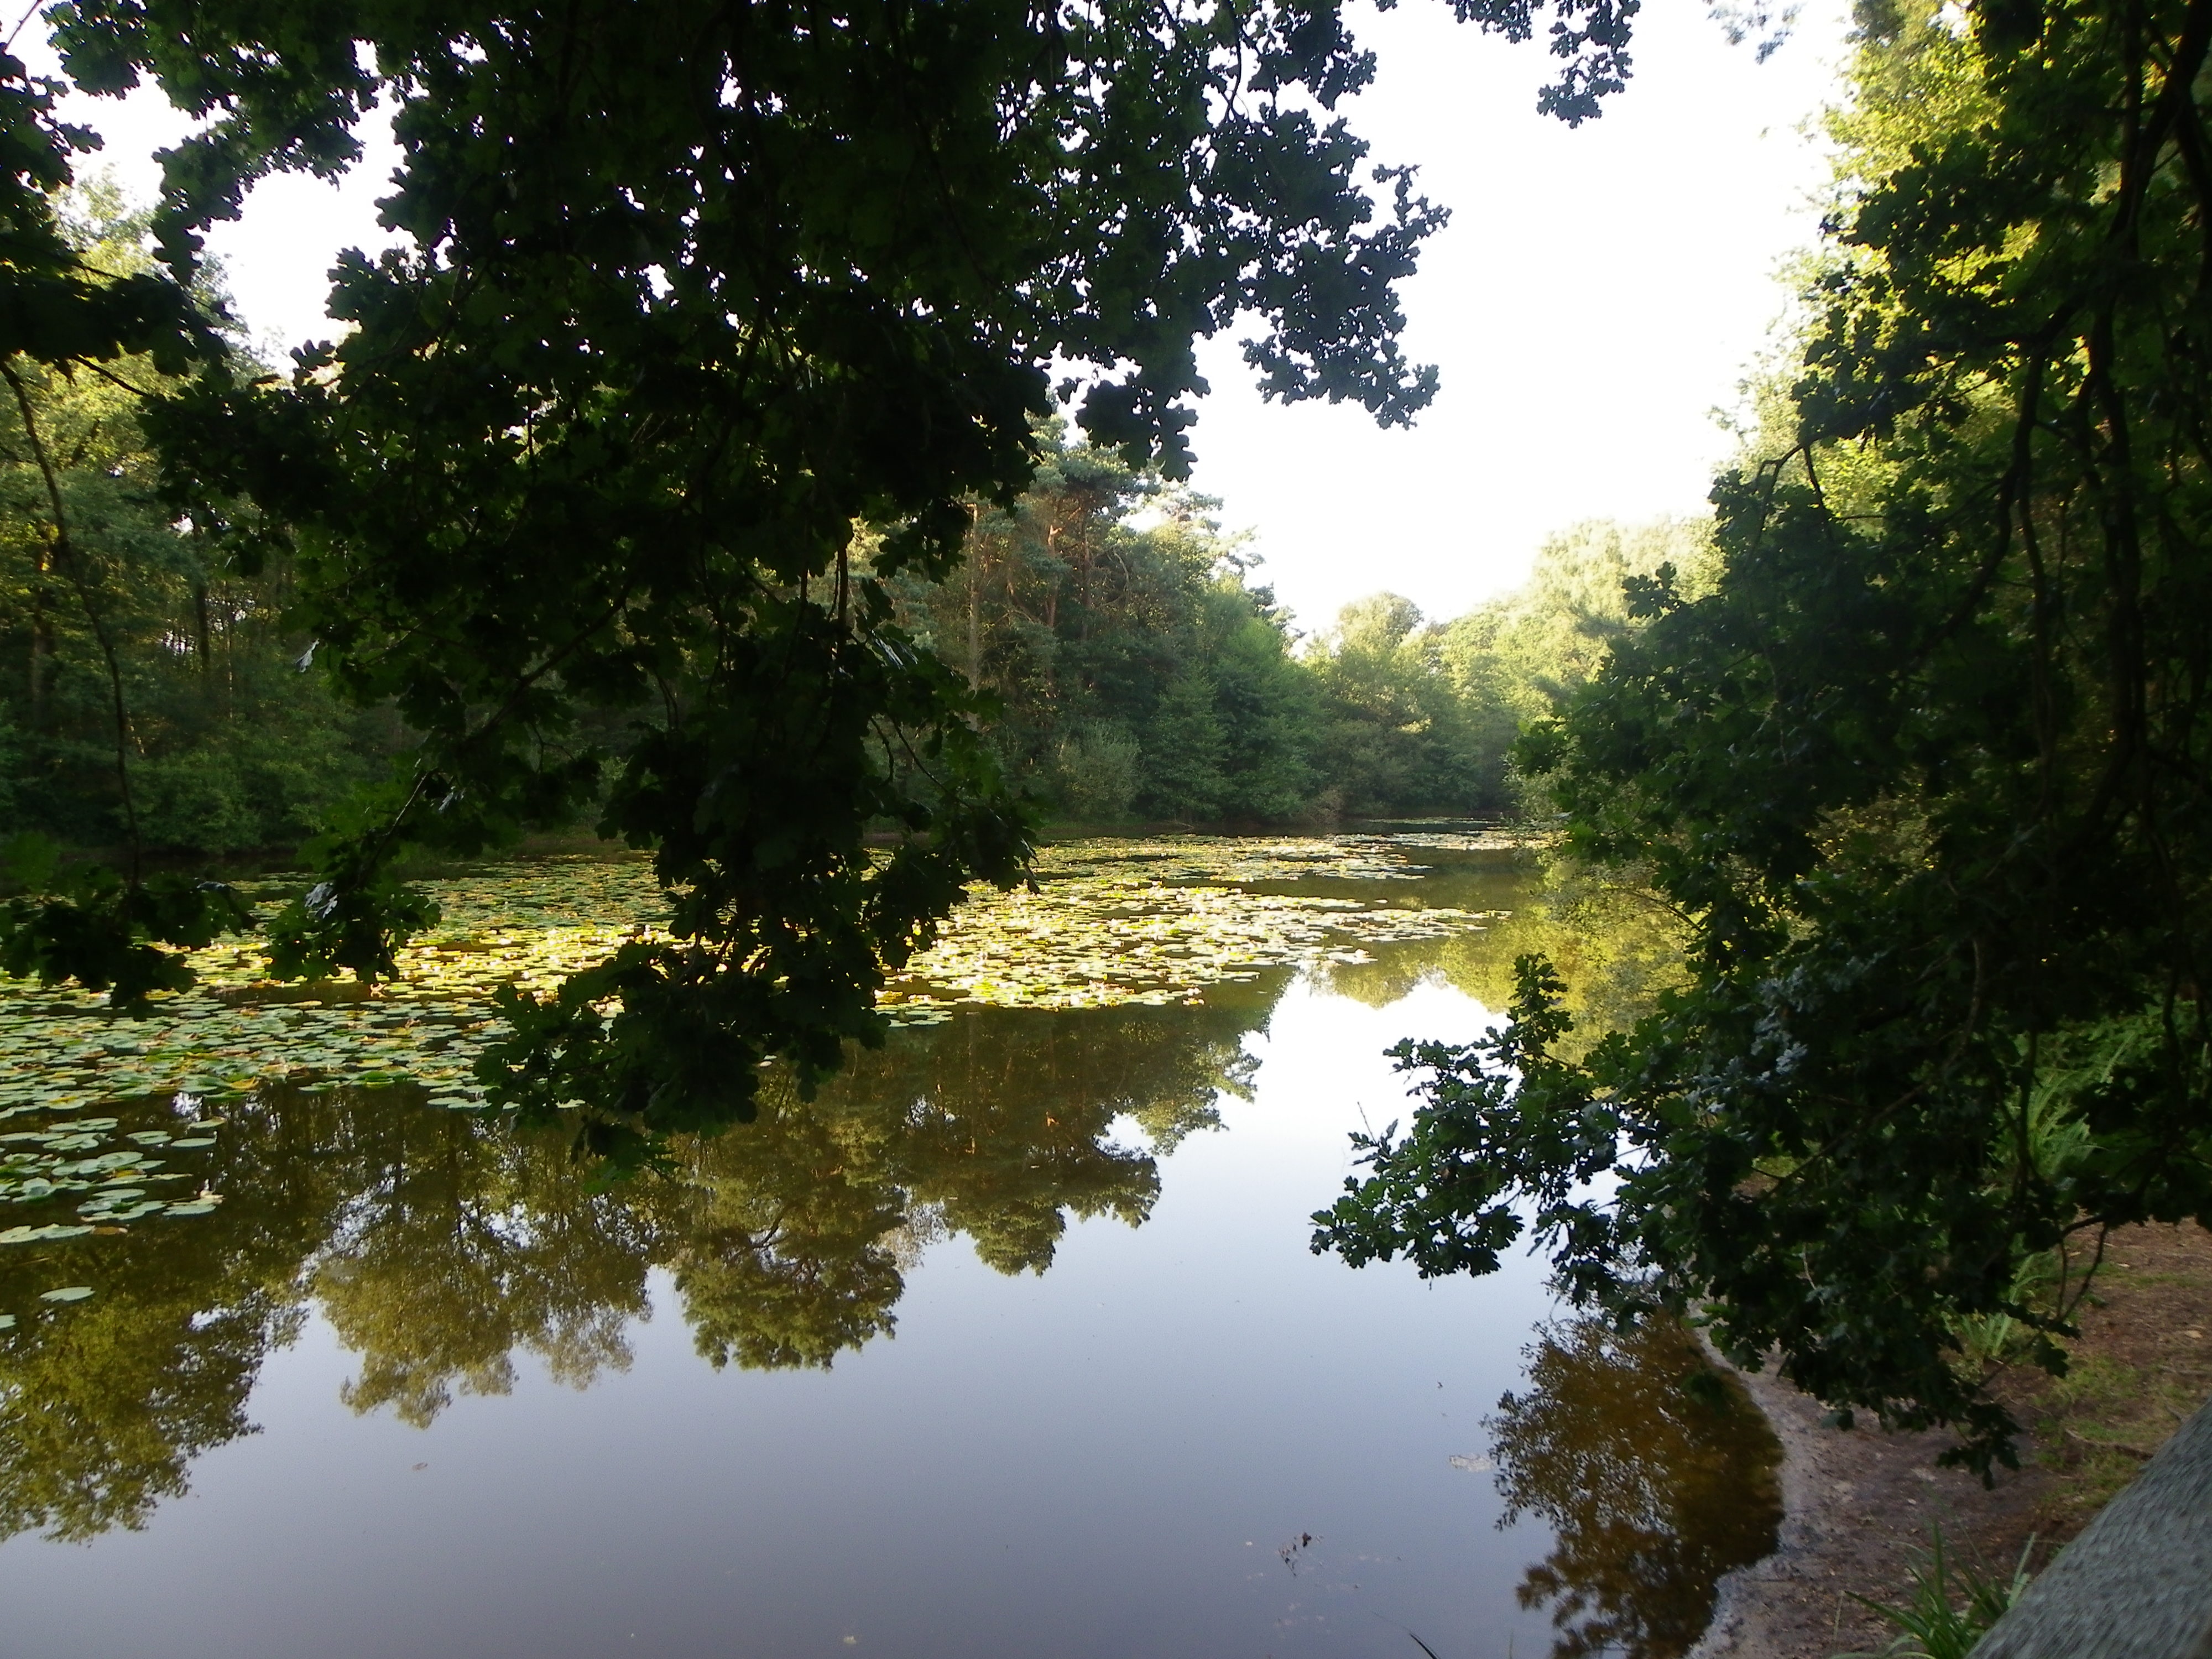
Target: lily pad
x=41, y=1235
x=67, y=1293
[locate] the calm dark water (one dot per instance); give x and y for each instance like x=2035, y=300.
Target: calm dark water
x=1011, y=1343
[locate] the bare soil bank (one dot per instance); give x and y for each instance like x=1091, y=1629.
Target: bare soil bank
x=1859, y=1504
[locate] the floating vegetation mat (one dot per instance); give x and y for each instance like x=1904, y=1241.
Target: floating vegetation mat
x=1158, y=920
x=87, y=1175
x=1109, y=922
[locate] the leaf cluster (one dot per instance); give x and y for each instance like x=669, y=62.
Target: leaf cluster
x=1923, y=772
x=83, y=922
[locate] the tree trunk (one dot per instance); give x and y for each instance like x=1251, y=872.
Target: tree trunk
x=200, y=642
x=42, y=646
x=974, y=598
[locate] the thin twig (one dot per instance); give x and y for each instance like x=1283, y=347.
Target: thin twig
x=29, y=12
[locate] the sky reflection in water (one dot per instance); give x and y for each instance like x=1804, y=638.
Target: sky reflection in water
x=1119, y=1455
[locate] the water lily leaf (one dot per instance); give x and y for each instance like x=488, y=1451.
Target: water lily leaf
x=67, y=1293
x=196, y=1140
x=192, y=1208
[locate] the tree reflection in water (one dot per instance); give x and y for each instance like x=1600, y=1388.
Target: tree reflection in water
x=440, y=1246
x=1656, y=1472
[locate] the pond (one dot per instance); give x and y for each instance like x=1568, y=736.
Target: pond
x=1009, y=1342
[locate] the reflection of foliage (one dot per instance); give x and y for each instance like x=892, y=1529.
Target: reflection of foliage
x=996, y=1126
x=1615, y=945
x=1655, y=1472
x=439, y=1244
x=459, y=1248
x=780, y=1234
x=100, y=1417
x=104, y=1404
x=1013, y=1132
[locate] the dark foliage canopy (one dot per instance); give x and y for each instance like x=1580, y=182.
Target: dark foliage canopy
x=1926, y=776
x=687, y=293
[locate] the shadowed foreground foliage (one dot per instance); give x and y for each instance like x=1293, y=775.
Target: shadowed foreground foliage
x=1925, y=774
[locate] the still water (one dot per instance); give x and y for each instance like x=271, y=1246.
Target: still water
x=1010, y=1343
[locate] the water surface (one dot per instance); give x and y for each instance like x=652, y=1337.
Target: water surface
x=1012, y=1342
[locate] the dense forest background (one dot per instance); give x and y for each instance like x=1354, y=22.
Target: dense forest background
x=1139, y=671
x=1143, y=673
x=228, y=740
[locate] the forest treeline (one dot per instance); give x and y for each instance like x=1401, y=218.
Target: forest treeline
x=1134, y=669
x=1141, y=671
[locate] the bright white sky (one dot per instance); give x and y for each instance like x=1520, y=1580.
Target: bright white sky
x=1600, y=293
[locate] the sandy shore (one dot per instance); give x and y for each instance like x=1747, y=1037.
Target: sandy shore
x=1859, y=1505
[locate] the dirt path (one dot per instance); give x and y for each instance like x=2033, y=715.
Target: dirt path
x=1860, y=1503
